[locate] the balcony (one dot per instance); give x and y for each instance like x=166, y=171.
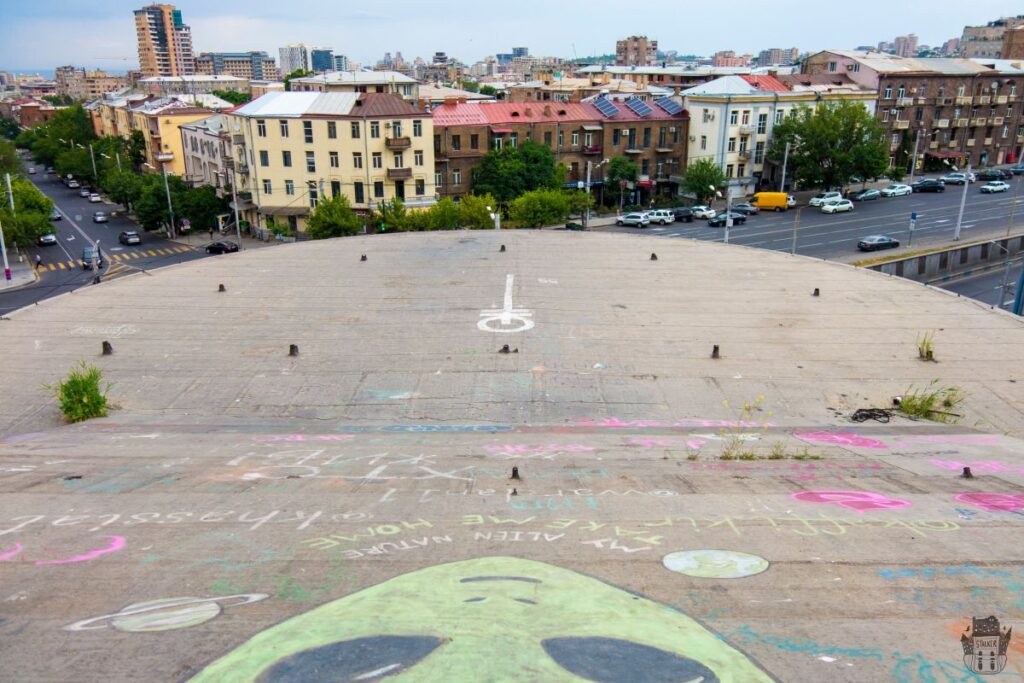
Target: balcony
x=1020, y=138
x=922, y=100
x=970, y=143
x=900, y=125
x=933, y=145
x=746, y=130
x=399, y=173
x=591, y=149
x=997, y=120
x=744, y=154
x=244, y=196
x=963, y=100
x=243, y=169
x=988, y=142
x=633, y=150
x=237, y=139
x=1002, y=99
x=984, y=99
x=229, y=163
x=952, y=143
x=942, y=123
x=961, y=123
x=980, y=121
x=904, y=101
x=398, y=143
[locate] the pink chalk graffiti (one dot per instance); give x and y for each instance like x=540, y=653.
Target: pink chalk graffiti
x=11, y=554
x=518, y=448
x=853, y=500
x=616, y=423
x=691, y=444
x=700, y=422
x=840, y=439
x=994, y=502
x=302, y=437
x=978, y=465
x=116, y=543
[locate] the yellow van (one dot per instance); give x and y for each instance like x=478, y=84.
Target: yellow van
x=770, y=200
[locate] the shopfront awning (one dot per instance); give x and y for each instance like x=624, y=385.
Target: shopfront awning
x=645, y=183
x=943, y=154
x=588, y=126
x=284, y=210
x=500, y=131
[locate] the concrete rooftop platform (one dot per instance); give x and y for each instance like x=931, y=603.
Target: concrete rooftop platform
x=350, y=513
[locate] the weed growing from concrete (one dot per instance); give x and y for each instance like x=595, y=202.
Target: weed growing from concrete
x=82, y=395
x=926, y=347
x=932, y=403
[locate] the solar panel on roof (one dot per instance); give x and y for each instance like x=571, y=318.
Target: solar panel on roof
x=669, y=105
x=606, y=107
x=640, y=107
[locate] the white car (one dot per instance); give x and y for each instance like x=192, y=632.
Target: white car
x=704, y=212
x=823, y=197
x=637, y=219
x=896, y=190
x=837, y=206
x=95, y=198
x=661, y=216
x=995, y=186
x=790, y=201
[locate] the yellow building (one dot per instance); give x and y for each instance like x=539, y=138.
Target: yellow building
x=160, y=122
x=290, y=149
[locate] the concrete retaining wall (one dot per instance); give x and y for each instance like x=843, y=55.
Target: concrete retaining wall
x=941, y=264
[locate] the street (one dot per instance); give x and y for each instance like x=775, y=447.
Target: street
x=61, y=267
x=985, y=286
x=835, y=236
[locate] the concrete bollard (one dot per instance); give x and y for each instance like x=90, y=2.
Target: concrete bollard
x=108, y=348
x=714, y=351
x=654, y=257
x=363, y=257
x=515, y=472
x=293, y=350
x=222, y=288
x=817, y=292
x=502, y=248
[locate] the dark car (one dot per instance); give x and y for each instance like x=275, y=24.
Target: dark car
x=129, y=237
x=55, y=215
x=47, y=240
x=876, y=242
x=746, y=209
x=91, y=255
x=1016, y=170
x=928, y=185
x=990, y=174
x=683, y=214
x=719, y=220
x=223, y=247
x=574, y=226
x=865, y=195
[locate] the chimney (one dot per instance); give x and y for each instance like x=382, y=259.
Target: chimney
x=547, y=110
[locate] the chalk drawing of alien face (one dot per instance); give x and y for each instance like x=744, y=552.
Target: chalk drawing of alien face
x=493, y=618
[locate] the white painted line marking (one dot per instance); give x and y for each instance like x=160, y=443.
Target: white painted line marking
x=506, y=315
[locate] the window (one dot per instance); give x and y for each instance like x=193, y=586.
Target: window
x=740, y=170
x=759, y=153
x=332, y=129
x=588, y=139
x=885, y=115
x=746, y=117
x=856, y=67
x=437, y=179
x=1013, y=89
x=355, y=130
x=561, y=138
x=832, y=67
x=895, y=139
x=417, y=128
x=707, y=115
x=887, y=94
x=267, y=187
x=374, y=129
x=286, y=158
x=357, y=190
x=335, y=188
x=734, y=118
x=645, y=167
x=1006, y=131
x=778, y=116
x=333, y=156
x=513, y=139
x=474, y=141
x=421, y=187
x=456, y=142
x=902, y=92
x=616, y=136
x=960, y=91
x=631, y=143
x=264, y=158
x=378, y=160
x=703, y=141
x=378, y=189
x=732, y=144
x=457, y=177
x=922, y=90
x=762, y=124
x=310, y=162
x=575, y=139
x=647, y=137
x=662, y=132
x=919, y=114
x=307, y=132
x=284, y=128
x=261, y=128
x=357, y=159
x=396, y=129
x=728, y=171
x=289, y=187
x=498, y=142
x=399, y=160
x=743, y=144
x=417, y=158
x=314, y=195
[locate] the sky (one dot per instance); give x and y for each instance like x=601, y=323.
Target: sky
x=42, y=34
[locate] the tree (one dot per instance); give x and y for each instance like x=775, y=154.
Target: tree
x=470, y=86
x=474, y=212
x=298, y=73
x=233, y=96
x=540, y=207
x=488, y=90
x=32, y=217
x=9, y=161
x=509, y=172
x=76, y=162
x=830, y=144
x=9, y=128
x=333, y=217
x=137, y=148
x=201, y=206
x=620, y=170
x=701, y=176
x=121, y=186
x=579, y=202
x=442, y=216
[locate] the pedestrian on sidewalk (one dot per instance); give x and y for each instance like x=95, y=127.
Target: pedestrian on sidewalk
x=39, y=261
x=211, y=234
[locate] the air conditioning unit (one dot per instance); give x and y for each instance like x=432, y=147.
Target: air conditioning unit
x=894, y=111
x=693, y=138
x=849, y=67
x=672, y=130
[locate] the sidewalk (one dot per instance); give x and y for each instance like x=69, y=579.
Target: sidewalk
x=199, y=240
x=22, y=274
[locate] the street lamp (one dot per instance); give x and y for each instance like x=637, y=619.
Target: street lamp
x=162, y=158
x=495, y=216
x=586, y=209
x=728, y=208
x=117, y=155
x=917, y=141
x=1006, y=274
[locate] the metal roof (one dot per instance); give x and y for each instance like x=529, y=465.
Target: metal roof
x=358, y=77
x=295, y=104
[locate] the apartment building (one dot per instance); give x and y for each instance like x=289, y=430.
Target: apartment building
x=652, y=135
x=191, y=85
x=248, y=66
x=293, y=57
x=289, y=149
x=165, y=42
x=28, y=112
x=986, y=41
x=390, y=82
x=160, y=121
x=676, y=78
x=636, y=51
x=205, y=148
x=569, y=89
x=1013, y=44
x=962, y=110
x=79, y=84
x=776, y=56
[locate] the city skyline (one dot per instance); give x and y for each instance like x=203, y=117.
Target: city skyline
x=102, y=34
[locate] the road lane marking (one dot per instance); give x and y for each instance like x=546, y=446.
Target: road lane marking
x=506, y=315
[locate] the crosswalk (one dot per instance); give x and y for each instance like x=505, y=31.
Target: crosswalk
x=122, y=257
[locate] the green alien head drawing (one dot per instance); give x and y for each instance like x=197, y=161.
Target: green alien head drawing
x=487, y=619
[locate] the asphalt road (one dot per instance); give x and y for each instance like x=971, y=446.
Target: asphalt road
x=62, y=270
x=835, y=236
x=985, y=286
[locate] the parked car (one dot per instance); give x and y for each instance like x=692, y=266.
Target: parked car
x=777, y=201
x=84, y=193
x=746, y=209
x=637, y=219
x=130, y=237
x=822, y=197
x=719, y=220
x=73, y=184
x=222, y=247
x=958, y=178
x=661, y=216
x=31, y=170
x=49, y=170
x=837, y=206
x=990, y=174
x=866, y=195
x=702, y=211
x=1016, y=170
x=100, y=217
x=928, y=185
x=876, y=242
x=55, y=215
x=47, y=240
x=91, y=256
x=790, y=201
x=995, y=186
x=95, y=198
x=896, y=190
x=683, y=213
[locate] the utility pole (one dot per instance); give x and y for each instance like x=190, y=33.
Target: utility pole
x=10, y=192
x=913, y=162
x=586, y=209
x=3, y=248
x=728, y=210
x=92, y=156
x=796, y=224
x=234, y=203
x=170, y=209
x=963, y=203
x=785, y=162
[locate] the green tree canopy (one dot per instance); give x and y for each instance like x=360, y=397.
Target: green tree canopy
x=473, y=211
x=201, y=206
x=488, y=90
x=9, y=161
x=701, y=176
x=831, y=144
x=540, y=207
x=9, y=128
x=333, y=217
x=509, y=172
x=32, y=212
x=298, y=73
x=137, y=148
x=234, y=97
x=121, y=186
